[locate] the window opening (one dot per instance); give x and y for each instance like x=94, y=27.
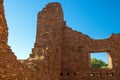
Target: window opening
x=100, y=60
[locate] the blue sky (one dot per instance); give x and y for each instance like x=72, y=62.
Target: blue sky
x=100, y=56
x=96, y=18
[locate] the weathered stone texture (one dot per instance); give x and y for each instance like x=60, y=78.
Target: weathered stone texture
x=10, y=68
x=48, y=40
x=59, y=52
x=67, y=52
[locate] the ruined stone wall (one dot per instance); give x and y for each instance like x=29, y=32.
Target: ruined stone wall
x=10, y=68
x=76, y=57
x=73, y=48
x=48, y=48
x=59, y=52
x=3, y=33
x=64, y=54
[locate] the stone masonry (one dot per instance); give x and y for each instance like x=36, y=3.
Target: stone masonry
x=10, y=68
x=59, y=52
x=65, y=54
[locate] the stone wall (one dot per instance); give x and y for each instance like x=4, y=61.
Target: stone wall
x=70, y=50
x=10, y=68
x=76, y=57
x=48, y=40
x=59, y=52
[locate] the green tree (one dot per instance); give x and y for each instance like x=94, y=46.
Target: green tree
x=95, y=63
